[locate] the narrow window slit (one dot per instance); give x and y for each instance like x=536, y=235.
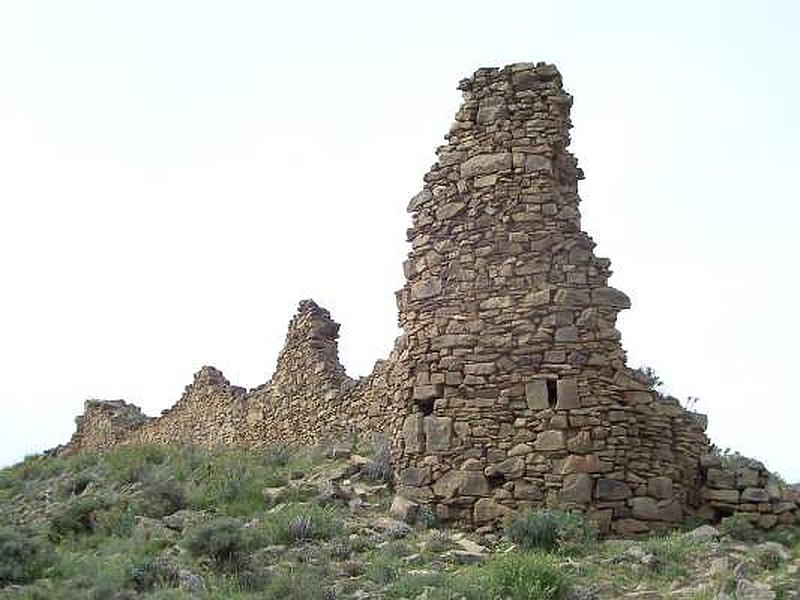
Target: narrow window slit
x=552, y=392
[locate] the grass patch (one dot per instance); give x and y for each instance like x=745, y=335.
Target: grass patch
x=23, y=556
x=551, y=531
x=295, y=523
x=673, y=553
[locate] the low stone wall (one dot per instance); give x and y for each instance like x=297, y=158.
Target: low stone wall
x=508, y=388
x=738, y=485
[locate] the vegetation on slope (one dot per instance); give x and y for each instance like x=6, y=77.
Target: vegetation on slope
x=154, y=522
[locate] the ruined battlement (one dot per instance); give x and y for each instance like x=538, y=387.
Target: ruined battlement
x=508, y=388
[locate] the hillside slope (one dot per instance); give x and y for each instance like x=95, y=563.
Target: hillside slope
x=319, y=523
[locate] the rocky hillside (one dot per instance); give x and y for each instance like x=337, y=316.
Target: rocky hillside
x=154, y=522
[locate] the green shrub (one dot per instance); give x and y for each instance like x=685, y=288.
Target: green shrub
x=78, y=517
x=276, y=456
x=379, y=467
x=551, y=530
x=231, y=482
x=23, y=557
x=131, y=464
x=223, y=540
x=384, y=568
x=525, y=577
x=77, y=484
x=299, y=522
x=297, y=582
x=150, y=572
x=162, y=497
x=738, y=527
x=673, y=552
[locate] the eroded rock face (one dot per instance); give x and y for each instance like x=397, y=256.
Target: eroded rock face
x=508, y=388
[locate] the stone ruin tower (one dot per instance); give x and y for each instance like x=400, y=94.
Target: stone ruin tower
x=508, y=388
x=517, y=385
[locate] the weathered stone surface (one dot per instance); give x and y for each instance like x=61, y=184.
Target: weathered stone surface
x=727, y=496
x=577, y=488
x=610, y=489
x=413, y=433
x=512, y=468
x=526, y=490
x=427, y=288
x=438, y=433
x=629, y=527
x=487, y=510
x=660, y=487
x=719, y=478
x=474, y=484
x=483, y=164
x=589, y=463
x=567, y=394
x=414, y=476
x=448, y=484
x=404, y=509
x=754, y=495
x=550, y=440
x=536, y=394
x=608, y=296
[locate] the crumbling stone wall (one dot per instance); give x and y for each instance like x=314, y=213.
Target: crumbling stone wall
x=508, y=388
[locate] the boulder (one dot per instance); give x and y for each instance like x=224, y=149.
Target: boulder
x=404, y=509
x=487, y=510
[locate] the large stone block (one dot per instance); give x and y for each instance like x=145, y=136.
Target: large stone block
x=483, y=164
x=526, y=490
x=427, y=288
x=536, y=394
x=660, y=487
x=611, y=489
x=438, y=433
x=413, y=433
x=608, y=296
x=448, y=484
x=577, y=489
x=550, y=440
x=720, y=478
x=511, y=468
x=567, y=394
x=755, y=495
x=487, y=510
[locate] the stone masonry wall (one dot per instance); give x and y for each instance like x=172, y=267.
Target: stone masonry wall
x=508, y=388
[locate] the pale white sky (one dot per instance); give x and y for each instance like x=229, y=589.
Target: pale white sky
x=176, y=175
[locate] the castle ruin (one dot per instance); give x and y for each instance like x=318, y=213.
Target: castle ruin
x=508, y=388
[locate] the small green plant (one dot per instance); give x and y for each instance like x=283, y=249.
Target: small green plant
x=162, y=497
x=131, y=464
x=383, y=568
x=525, y=577
x=671, y=554
x=379, y=467
x=149, y=573
x=23, y=557
x=551, y=531
x=301, y=528
x=649, y=375
x=738, y=527
x=426, y=519
x=296, y=582
x=78, y=517
x=300, y=522
x=223, y=540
